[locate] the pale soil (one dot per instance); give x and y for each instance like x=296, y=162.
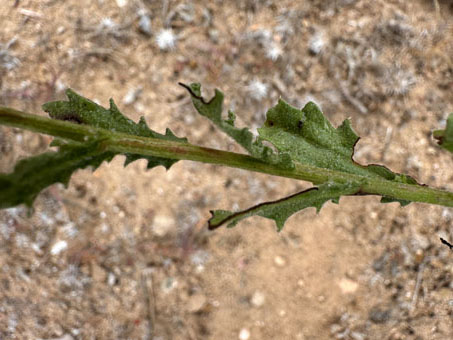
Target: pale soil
x=140, y=263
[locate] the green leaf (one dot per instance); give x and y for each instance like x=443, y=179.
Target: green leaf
x=282, y=209
x=84, y=111
x=445, y=137
x=212, y=110
x=32, y=175
x=309, y=138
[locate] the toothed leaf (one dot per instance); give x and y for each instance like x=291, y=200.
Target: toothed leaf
x=212, y=110
x=309, y=138
x=32, y=175
x=282, y=209
x=84, y=111
x=445, y=137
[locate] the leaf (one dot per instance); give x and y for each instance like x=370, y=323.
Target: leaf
x=33, y=174
x=445, y=137
x=282, y=209
x=84, y=111
x=212, y=110
x=309, y=138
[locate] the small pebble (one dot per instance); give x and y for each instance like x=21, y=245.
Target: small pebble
x=60, y=29
x=244, y=334
x=58, y=247
x=348, y=286
x=132, y=95
x=316, y=44
x=121, y=3
x=144, y=25
x=111, y=279
x=163, y=225
x=258, y=299
x=279, y=261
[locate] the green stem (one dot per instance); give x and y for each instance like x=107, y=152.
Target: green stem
x=124, y=143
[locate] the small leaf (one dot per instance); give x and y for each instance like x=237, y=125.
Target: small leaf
x=282, y=209
x=84, y=111
x=445, y=137
x=212, y=110
x=33, y=174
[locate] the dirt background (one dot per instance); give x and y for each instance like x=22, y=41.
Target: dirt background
x=124, y=253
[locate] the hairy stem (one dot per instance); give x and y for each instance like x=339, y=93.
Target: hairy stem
x=124, y=143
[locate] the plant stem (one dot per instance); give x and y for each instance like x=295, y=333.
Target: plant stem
x=125, y=143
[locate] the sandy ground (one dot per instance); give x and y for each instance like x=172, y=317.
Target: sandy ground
x=124, y=253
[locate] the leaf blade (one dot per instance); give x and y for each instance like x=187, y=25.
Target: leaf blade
x=309, y=138
x=33, y=174
x=280, y=210
x=81, y=110
x=212, y=110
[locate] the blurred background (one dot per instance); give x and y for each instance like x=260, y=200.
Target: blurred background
x=124, y=253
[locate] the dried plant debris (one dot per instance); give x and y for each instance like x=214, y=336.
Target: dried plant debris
x=395, y=31
x=7, y=59
x=184, y=12
x=106, y=32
